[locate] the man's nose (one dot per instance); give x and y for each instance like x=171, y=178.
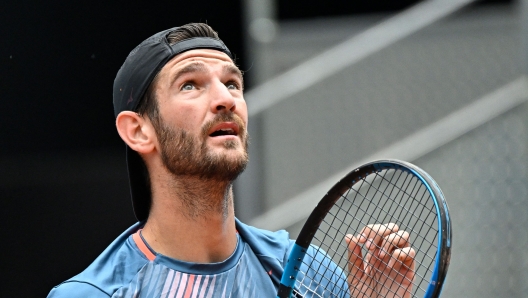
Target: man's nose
x=222, y=99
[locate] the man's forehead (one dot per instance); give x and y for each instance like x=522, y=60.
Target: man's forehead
x=198, y=61
x=200, y=55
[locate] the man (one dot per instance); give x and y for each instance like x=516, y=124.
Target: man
x=179, y=107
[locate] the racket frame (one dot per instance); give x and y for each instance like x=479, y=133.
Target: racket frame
x=443, y=254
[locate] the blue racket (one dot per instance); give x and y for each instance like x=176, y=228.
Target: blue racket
x=320, y=263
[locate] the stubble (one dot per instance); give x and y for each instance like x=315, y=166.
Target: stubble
x=200, y=173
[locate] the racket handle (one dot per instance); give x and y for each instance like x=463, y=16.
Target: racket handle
x=290, y=272
x=284, y=291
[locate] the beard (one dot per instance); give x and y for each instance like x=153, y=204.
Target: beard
x=186, y=155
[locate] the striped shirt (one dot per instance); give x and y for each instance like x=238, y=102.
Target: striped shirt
x=130, y=268
x=241, y=275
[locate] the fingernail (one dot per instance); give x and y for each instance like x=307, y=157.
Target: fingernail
x=391, y=263
x=362, y=237
x=370, y=244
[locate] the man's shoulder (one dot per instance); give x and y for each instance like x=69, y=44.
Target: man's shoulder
x=264, y=242
x=74, y=288
x=114, y=268
x=271, y=248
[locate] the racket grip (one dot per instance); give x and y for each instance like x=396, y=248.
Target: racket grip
x=284, y=291
x=290, y=272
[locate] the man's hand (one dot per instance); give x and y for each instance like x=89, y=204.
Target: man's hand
x=388, y=268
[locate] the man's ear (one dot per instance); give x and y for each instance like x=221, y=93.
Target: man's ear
x=137, y=132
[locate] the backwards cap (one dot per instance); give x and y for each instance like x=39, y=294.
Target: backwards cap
x=132, y=81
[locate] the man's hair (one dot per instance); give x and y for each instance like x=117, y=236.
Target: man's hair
x=149, y=104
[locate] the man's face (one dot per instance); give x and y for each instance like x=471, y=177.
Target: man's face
x=203, y=116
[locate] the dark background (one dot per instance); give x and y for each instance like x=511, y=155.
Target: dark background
x=63, y=184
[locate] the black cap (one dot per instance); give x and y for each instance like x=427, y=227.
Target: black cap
x=132, y=81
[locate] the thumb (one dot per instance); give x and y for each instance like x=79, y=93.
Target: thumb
x=355, y=260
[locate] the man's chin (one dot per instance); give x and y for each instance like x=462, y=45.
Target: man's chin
x=226, y=167
x=229, y=156
x=226, y=147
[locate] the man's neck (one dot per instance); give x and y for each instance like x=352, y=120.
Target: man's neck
x=192, y=220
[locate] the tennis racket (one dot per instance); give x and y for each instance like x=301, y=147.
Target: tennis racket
x=386, y=196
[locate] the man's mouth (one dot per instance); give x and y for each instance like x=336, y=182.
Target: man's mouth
x=223, y=132
x=224, y=129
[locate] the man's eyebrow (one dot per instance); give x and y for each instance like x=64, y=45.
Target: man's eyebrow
x=189, y=68
x=232, y=69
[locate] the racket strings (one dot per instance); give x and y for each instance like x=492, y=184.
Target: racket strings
x=388, y=196
x=334, y=217
x=409, y=211
x=411, y=207
x=381, y=206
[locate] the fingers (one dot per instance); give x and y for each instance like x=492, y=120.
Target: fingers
x=399, y=239
x=355, y=259
x=372, y=235
x=403, y=257
x=382, y=240
x=388, y=264
x=401, y=267
x=401, y=271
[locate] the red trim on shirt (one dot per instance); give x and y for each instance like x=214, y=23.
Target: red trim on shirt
x=142, y=246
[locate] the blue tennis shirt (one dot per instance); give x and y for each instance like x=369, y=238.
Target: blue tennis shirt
x=130, y=268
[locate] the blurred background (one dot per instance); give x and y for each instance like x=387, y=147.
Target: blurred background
x=440, y=83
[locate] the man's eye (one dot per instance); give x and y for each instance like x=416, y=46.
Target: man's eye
x=187, y=86
x=232, y=86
